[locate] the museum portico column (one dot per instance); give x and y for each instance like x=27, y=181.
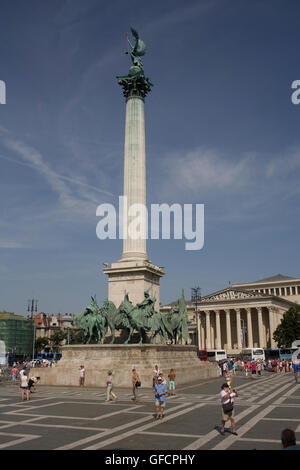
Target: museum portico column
x=218, y=330
x=228, y=330
x=272, y=321
x=238, y=328
x=207, y=324
x=202, y=329
x=260, y=328
x=249, y=328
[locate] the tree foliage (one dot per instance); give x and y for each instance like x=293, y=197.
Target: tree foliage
x=289, y=328
x=57, y=338
x=40, y=344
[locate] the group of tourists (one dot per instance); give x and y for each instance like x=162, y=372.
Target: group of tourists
x=159, y=383
x=27, y=384
x=254, y=368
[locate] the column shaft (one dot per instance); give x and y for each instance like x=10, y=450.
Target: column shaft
x=208, y=341
x=218, y=330
x=260, y=328
x=238, y=328
x=249, y=328
x=228, y=329
x=134, y=178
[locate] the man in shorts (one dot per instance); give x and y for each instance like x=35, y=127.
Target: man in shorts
x=160, y=391
x=171, y=376
x=227, y=402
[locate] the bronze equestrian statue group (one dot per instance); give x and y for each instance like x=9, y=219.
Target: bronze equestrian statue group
x=142, y=318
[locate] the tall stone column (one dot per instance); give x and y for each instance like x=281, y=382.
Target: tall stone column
x=228, y=329
x=133, y=274
x=218, y=330
x=207, y=324
x=238, y=328
x=249, y=328
x=260, y=328
x=134, y=178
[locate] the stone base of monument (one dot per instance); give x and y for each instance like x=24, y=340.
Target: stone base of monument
x=121, y=359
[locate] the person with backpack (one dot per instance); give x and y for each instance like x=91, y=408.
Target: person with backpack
x=227, y=401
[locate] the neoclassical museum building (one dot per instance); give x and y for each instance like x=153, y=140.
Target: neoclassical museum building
x=242, y=315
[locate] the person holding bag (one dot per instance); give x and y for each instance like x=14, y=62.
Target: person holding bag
x=227, y=400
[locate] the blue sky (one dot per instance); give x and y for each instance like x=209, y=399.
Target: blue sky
x=221, y=130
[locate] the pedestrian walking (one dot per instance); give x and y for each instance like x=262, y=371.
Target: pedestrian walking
x=295, y=366
x=24, y=386
x=246, y=367
x=14, y=373
x=227, y=402
x=136, y=383
x=171, y=377
x=109, y=387
x=253, y=368
x=81, y=376
x=258, y=368
x=160, y=392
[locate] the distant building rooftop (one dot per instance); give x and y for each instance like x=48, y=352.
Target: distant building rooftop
x=277, y=278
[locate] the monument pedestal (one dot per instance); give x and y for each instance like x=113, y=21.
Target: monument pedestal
x=133, y=278
x=121, y=359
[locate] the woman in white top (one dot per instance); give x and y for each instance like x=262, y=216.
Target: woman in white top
x=227, y=402
x=24, y=386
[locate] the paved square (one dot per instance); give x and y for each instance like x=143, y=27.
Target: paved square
x=66, y=418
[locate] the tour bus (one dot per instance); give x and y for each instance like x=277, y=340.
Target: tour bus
x=278, y=353
x=250, y=354
x=202, y=354
x=2, y=354
x=216, y=355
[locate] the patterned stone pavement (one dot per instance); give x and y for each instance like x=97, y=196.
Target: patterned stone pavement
x=66, y=418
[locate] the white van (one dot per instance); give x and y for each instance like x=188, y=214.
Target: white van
x=251, y=354
x=216, y=355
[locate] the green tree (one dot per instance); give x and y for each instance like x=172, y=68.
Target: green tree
x=57, y=338
x=40, y=344
x=289, y=328
x=76, y=337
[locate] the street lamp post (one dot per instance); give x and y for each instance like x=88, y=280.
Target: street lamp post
x=32, y=308
x=196, y=298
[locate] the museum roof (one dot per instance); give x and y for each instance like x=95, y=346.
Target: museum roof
x=278, y=277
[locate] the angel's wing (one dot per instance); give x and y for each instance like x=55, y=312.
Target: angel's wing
x=140, y=46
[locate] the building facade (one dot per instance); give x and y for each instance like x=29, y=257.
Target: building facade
x=46, y=325
x=241, y=316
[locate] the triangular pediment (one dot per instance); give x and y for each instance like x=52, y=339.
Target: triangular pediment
x=232, y=294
